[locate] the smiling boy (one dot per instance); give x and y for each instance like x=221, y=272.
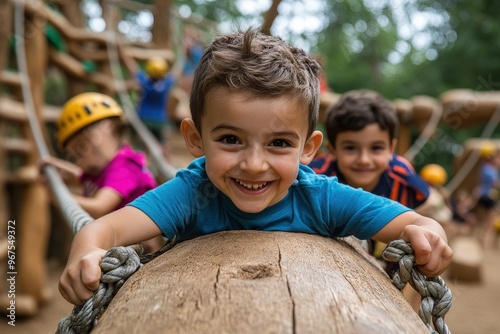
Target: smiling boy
x=361, y=129
x=254, y=106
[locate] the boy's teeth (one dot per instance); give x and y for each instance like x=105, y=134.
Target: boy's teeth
x=251, y=186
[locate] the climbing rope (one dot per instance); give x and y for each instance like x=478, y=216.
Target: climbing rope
x=118, y=264
x=436, y=296
x=71, y=211
x=429, y=130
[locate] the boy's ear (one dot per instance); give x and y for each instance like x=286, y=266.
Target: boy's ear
x=394, y=143
x=192, y=138
x=311, y=147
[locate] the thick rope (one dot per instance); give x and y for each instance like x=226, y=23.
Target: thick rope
x=436, y=296
x=429, y=130
x=118, y=264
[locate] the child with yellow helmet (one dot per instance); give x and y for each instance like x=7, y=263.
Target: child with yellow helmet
x=110, y=173
x=155, y=83
x=489, y=184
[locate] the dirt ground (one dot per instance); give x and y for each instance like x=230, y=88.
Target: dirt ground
x=475, y=308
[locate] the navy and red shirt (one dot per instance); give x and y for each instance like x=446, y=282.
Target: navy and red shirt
x=399, y=182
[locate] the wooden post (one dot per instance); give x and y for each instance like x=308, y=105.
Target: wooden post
x=72, y=11
x=404, y=109
x=260, y=282
x=161, y=26
x=34, y=219
x=5, y=35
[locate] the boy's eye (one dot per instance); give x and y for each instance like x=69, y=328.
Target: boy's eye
x=230, y=140
x=349, y=148
x=378, y=148
x=280, y=143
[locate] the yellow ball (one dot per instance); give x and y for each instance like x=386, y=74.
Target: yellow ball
x=434, y=174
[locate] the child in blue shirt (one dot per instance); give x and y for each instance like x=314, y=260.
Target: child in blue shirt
x=254, y=105
x=155, y=83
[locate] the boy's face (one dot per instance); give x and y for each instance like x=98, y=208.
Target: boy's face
x=252, y=146
x=362, y=156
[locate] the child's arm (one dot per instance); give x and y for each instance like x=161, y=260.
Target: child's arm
x=427, y=238
x=69, y=172
x=82, y=273
x=103, y=202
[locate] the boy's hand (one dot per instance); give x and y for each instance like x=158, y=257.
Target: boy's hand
x=432, y=253
x=81, y=277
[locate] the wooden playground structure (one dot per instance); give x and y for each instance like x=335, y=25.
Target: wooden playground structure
x=68, y=49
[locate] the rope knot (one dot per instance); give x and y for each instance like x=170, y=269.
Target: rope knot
x=118, y=264
x=436, y=296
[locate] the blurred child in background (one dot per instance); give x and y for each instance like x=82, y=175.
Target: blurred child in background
x=155, y=83
x=193, y=51
x=110, y=173
x=488, y=193
x=463, y=218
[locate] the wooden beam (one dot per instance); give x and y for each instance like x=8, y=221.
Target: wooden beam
x=16, y=145
x=10, y=78
x=13, y=110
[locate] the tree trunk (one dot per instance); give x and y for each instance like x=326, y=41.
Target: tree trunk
x=269, y=17
x=161, y=27
x=260, y=282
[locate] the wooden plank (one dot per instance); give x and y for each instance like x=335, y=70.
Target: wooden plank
x=10, y=78
x=17, y=145
x=260, y=282
x=13, y=110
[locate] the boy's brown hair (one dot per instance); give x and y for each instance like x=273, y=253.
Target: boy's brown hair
x=357, y=109
x=257, y=64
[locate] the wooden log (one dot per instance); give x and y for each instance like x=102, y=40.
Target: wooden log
x=468, y=258
x=464, y=108
x=424, y=107
x=260, y=282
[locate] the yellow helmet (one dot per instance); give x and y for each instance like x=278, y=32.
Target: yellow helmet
x=434, y=174
x=487, y=149
x=156, y=67
x=82, y=110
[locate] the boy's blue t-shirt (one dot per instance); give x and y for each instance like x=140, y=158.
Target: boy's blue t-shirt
x=190, y=206
x=153, y=104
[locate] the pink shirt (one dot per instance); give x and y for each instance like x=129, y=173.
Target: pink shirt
x=127, y=174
